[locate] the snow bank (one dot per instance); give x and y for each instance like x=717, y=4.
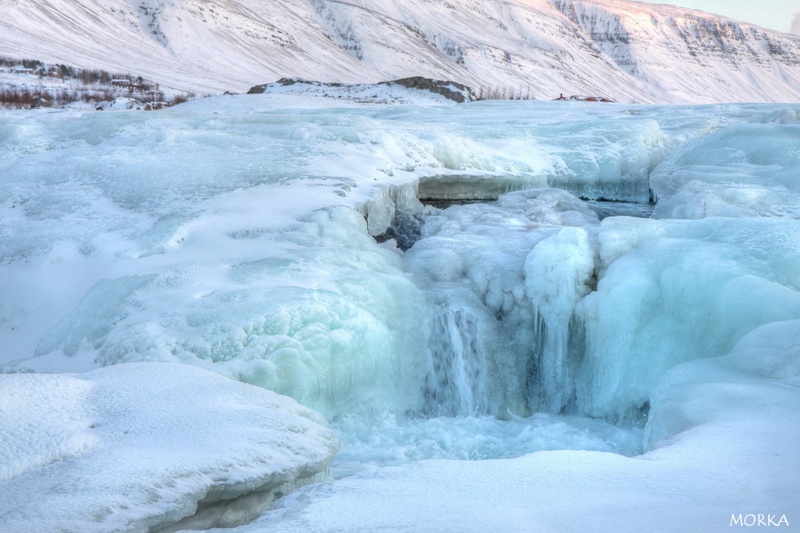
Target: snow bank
x=142, y=447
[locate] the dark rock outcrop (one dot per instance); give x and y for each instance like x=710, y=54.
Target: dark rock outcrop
x=451, y=90
x=40, y=102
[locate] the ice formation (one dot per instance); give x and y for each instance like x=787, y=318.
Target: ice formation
x=287, y=247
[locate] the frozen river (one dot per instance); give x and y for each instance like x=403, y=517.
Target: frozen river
x=614, y=287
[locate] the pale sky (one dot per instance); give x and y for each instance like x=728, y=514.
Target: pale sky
x=772, y=14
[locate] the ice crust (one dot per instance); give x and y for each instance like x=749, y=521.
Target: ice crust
x=240, y=235
x=168, y=227
x=138, y=447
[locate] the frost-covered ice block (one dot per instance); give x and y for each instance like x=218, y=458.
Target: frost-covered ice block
x=146, y=446
x=591, y=159
x=674, y=291
x=740, y=171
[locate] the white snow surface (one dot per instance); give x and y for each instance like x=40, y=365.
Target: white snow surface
x=650, y=363
x=625, y=50
x=136, y=447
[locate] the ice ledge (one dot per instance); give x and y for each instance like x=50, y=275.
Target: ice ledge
x=150, y=447
x=220, y=508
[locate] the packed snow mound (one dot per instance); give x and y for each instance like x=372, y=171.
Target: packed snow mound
x=755, y=380
x=145, y=446
x=627, y=51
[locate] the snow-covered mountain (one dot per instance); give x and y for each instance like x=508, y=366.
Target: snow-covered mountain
x=621, y=49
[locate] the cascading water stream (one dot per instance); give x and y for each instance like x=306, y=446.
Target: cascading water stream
x=502, y=341
x=524, y=268
x=456, y=366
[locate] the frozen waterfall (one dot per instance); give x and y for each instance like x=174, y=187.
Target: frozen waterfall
x=538, y=301
x=455, y=381
x=509, y=274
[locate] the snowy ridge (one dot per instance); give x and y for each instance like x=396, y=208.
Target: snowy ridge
x=620, y=49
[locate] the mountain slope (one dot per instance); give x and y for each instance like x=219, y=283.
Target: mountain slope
x=621, y=49
x=690, y=55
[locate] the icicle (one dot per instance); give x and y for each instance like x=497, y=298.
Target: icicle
x=558, y=271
